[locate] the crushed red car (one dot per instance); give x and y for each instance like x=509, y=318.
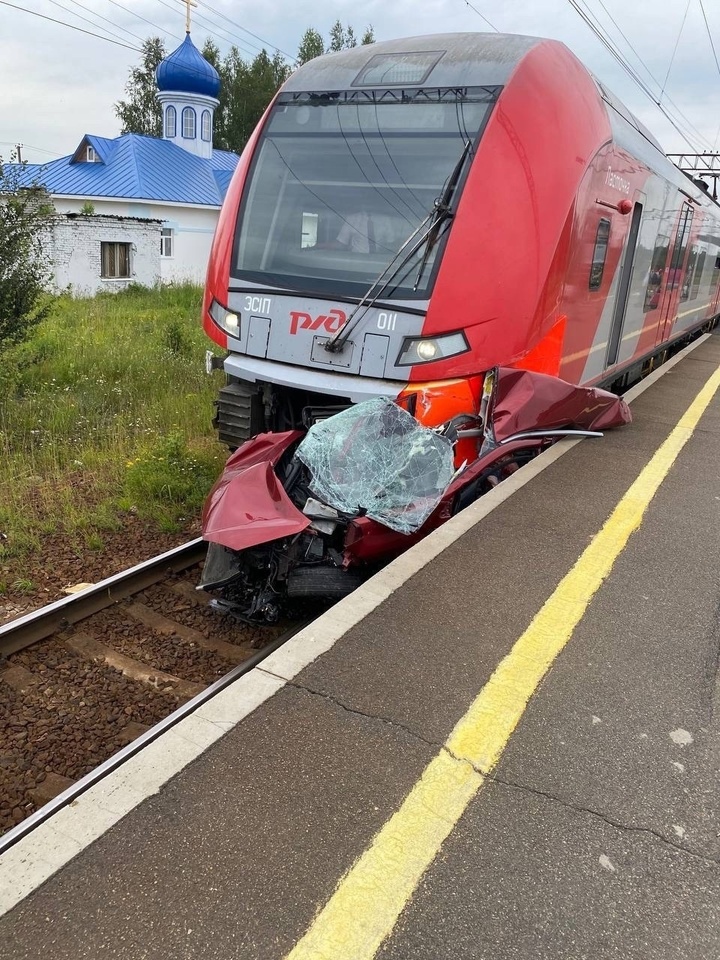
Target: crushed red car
x=299, y=515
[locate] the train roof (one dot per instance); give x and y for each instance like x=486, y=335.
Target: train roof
x=445, y=60
x=437, y=60
x=462, y=59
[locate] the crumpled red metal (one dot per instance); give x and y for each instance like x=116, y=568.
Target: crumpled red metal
x=248, y=505
x=525, y=400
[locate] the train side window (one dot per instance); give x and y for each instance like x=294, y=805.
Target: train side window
x=714, y=278
x=599, y=254
x=695, y=278
x=657, y=270
x=676, y=276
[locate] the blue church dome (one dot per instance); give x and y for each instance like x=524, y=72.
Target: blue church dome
x=187, y=71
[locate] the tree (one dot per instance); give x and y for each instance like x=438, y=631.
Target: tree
x=343, y=38
x=141, y=112
x=25, y=217
x=246, y=90
x=311, y=46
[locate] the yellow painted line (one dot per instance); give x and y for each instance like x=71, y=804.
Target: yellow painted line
x=367, y=902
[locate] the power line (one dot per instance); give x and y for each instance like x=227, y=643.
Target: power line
x=144, y=20
x=81, y=17
x=202, y=23
x=245, y=30
x=107, y=20
x=646, y=68
x=50, y=153
x=71, y=26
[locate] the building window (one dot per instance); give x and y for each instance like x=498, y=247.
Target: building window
x=115, y=260
x=171, y=122
x=90, y=155
x=206, y=130
x=188, y=123
x=599, y=254
x=166, y=242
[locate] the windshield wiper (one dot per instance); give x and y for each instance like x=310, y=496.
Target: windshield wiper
x=338, y=339
x=439, y=214
x=442, y=212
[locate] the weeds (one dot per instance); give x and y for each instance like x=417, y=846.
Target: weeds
x=106, y=406
x=23, y=586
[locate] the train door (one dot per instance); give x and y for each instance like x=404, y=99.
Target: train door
x=675, y=272
x=623, y=289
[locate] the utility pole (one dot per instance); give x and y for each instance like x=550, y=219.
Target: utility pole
x=19, y=147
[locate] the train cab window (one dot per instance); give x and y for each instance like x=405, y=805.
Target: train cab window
x=339, y=184
x=599, y=254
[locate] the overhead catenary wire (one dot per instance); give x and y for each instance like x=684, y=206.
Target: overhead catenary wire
x=607, y=42
x=481, y=15
x=680, y=123
x=647, y=70
x=672, y=58
x=680, y=120
x=717, y=64
x=707, y=27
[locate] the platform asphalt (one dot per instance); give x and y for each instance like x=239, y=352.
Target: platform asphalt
x=595, y=836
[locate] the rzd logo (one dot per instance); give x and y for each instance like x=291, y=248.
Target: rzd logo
x=303, y=321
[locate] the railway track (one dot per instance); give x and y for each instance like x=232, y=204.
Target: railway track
x=91, y=675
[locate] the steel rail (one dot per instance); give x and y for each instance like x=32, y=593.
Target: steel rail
x=65, y=798
x=34, y=626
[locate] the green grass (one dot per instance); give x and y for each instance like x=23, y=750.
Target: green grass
x=106, y=408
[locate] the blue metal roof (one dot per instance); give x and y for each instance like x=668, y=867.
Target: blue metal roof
x=187, y=71
x=136, y=167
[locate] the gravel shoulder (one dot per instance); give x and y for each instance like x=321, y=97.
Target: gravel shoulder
x=42, y=577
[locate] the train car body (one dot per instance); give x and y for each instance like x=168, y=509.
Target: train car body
x=467, y=225
x=570, y=244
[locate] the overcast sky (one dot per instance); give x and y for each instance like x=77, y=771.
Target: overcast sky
x=58, y=84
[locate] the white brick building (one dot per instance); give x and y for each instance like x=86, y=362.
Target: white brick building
x=87, y=252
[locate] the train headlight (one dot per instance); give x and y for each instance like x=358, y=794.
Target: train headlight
x=427, y=349
x=226, y=319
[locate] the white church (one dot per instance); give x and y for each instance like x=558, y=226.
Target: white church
x=139, y=209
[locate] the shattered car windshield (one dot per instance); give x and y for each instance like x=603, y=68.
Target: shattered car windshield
x=340, y=181
x=375, y=458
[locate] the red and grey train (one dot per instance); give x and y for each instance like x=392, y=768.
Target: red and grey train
x=469, y=225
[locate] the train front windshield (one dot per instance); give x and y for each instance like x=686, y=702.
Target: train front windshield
x=340, y=182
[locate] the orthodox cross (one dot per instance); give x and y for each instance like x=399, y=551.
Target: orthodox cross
x=188, y=4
